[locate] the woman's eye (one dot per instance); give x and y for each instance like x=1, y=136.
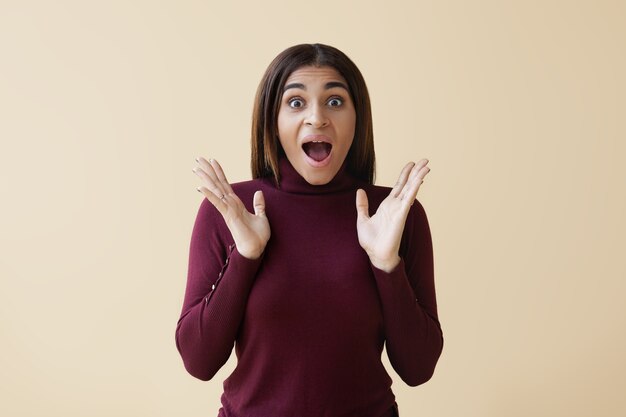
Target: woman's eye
x=295, y=103
x=335, y=102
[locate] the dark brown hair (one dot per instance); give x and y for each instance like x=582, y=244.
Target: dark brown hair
x=265, y=144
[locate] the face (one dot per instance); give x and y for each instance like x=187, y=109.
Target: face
x=316, y=122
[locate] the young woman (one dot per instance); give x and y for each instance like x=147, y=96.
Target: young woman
x=309, y=268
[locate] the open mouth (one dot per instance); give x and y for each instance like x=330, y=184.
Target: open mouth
x=317, y=150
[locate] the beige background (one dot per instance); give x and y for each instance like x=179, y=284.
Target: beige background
x=519, y=106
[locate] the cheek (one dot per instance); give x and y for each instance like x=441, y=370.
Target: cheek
x=286, y=132
x=348, y=127
x=284, y=122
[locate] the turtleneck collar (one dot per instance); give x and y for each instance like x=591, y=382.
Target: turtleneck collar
x=292, y=182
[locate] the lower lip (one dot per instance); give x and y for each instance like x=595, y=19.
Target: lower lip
x=318, y=164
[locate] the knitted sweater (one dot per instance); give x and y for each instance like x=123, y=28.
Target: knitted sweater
x=308, y=319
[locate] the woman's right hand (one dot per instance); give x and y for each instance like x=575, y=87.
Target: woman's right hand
x=250, y=231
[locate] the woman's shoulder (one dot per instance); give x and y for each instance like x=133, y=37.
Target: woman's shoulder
x=376, y=194
x=247, y=188
x=374, y=189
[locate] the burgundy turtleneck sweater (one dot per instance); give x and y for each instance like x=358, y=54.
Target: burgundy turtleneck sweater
x=309, y=318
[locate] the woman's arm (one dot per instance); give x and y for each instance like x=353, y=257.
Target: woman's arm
x=414, y=339
x=226, y=248
x=398, y=242
x=219, y=280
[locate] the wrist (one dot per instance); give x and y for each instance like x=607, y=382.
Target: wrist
x=386, y=265
x=250, y=248
x=251, y=255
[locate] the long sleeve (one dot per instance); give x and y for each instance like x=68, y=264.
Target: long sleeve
x=414, y=338
x=219, y=280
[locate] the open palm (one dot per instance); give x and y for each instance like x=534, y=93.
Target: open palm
x=250, y=231
x=380, y=234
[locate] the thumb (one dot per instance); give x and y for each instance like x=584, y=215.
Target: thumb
x=362, y=206
x=259, y=203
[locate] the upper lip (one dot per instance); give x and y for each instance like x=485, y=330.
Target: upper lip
x=316, y=138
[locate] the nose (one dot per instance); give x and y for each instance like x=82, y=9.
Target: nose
x=316, y=117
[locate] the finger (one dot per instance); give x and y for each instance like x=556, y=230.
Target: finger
x=209, y=182
x=414, y=186
x=219, y=204
x=404, y=175
x=216, y=185
x=412, y=175
x=417, y=174
x=258, y=202
x=362, y=205
x=220, y=176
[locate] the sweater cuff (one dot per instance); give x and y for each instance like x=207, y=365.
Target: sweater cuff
x=394, y=271
x=239, y=264
x=386, y=281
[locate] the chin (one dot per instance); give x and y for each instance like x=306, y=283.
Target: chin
x=318, y=179
x=318, y=182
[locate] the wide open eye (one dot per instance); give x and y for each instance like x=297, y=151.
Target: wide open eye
x=296, y=103
x=335, y=102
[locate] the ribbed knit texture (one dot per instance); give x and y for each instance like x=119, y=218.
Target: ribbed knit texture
x=309, y=318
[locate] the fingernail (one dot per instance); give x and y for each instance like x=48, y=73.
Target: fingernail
x=197, y=160
x=197, y=189
x=211, y=160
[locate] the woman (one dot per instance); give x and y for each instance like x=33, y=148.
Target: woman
x=291, y=268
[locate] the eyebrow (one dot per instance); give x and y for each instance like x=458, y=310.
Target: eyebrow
x=328, y=86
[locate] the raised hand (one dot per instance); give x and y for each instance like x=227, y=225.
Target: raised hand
x=250, y=231
x=380, y=234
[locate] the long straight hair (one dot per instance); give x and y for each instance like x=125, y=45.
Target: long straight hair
x=265, y=145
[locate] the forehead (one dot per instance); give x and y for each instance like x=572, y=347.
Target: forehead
x=312, y=74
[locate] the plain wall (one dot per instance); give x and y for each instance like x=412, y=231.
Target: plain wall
x=518, y=105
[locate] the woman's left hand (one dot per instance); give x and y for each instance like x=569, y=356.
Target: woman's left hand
x=380, y=234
